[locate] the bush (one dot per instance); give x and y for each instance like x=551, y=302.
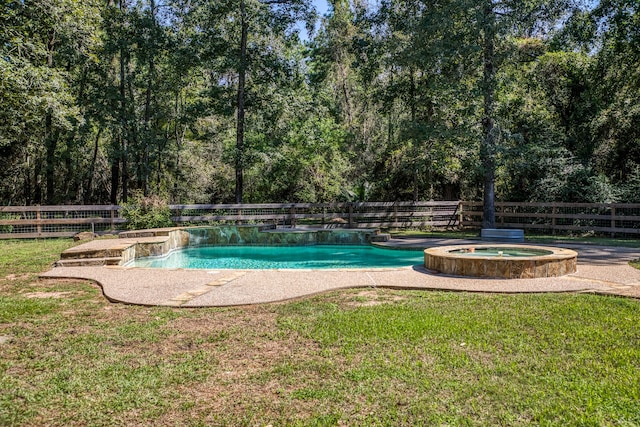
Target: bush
x=147, y=212
x=7, y=216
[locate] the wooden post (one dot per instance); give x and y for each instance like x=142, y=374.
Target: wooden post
x=613, y=221
x=38, y=218
x=113, y=218
x=292, y=216
x=350, y=215
x=554, y=211
x=395, y=215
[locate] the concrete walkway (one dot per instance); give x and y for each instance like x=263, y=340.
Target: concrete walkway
x=600, y=269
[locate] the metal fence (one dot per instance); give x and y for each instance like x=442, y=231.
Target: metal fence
x=605, y=218
x=65, y=221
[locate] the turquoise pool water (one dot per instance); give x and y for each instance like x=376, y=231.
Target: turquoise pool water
x=283, y=257
x=501, y=252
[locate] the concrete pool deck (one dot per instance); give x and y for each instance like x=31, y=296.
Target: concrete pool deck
x=601, y=269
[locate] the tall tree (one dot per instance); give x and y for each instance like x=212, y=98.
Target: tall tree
x=245, y=39
x=44, y=44
x=496, y=21
x=616, y=152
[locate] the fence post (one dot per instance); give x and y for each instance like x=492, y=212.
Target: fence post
x=292, y=216
x=460, y=217
x=554, y=211
x=395, y=214
x=613, y=221
x=113, y=218
x=38, y=218
x=350, y=215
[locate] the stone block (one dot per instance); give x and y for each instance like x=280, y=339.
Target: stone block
x=85, y=235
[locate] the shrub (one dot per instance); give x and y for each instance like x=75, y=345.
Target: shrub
x=147, y=212
x=7, y=216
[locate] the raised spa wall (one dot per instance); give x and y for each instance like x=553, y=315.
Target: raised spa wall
x=446, y=260
x=256, y=235
x=243, y=235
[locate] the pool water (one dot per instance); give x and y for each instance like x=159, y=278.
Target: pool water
x=283, y=257
x=501, y=252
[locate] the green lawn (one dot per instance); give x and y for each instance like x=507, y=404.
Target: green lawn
x=358, y=357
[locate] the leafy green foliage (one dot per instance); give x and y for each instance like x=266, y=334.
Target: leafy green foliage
x=7, y=216
x=102, y=100
x=147, y=212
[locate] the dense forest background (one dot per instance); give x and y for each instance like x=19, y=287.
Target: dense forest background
x=212, y=101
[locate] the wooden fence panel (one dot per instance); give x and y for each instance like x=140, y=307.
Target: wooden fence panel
x=609, y=218
x=64, y=221
x=59, y=221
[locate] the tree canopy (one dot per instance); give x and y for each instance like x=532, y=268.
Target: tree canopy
x=206, y=101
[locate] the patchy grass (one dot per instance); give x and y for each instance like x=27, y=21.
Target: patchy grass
x=358, y=357
x=635, y=264
x=20, y=257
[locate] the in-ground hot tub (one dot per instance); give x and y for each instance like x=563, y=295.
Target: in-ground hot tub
x=501, y=261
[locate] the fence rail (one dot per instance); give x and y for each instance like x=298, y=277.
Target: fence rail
x=611, y=218
x=64, y=221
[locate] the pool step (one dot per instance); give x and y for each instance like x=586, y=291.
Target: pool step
x=88, y=262
x=382, y=237
x=103, y=252
x=92, y=253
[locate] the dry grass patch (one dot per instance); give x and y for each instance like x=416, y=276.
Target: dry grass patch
x=372, y=297
x=47, y=294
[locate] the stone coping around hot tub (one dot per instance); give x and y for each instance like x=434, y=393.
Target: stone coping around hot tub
x=558, y=262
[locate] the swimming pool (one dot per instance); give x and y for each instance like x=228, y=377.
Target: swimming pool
x=283, y=257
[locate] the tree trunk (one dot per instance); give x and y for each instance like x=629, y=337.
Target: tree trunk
x=414, y=140
x=489, y=140
x=124, y=133
x=89, y=186
x=50, y=138
x=146, y=136
x=345, y=93
x=242, y=70
x=115, y=179
x=51, y=143
x=178, y=135
x=37, y=180
x=123, y=127
x=27, y=178
x=147, y=114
